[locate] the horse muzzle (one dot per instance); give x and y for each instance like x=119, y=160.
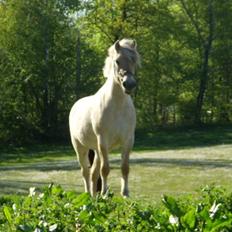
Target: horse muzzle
x=129, y=83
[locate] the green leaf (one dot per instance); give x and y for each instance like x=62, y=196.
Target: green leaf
x=172, y=206
x=57, y=190
x=71, y=195
x=82, y=199
x=189, y=219
x=84, y=216
x=218, y=225
x=24, y=228
x=7, y=214
x=204, y=214
x=100, y=219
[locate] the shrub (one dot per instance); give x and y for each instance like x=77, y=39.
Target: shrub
x=54, y=209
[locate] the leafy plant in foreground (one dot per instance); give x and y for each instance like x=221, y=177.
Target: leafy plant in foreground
x=209, y=213
x=54, y=209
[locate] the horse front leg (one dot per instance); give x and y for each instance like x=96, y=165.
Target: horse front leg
x=126, y=148
x=84, y=162
x=104, y=164
x=125, y=173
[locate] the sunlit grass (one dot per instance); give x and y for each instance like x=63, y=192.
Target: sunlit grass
x=152, y=173
x=172, y=162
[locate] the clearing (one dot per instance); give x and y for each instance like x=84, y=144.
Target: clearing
x=152, y=173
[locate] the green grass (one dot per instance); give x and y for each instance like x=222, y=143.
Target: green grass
x=176, y=138
x=163, y=162
x=157, y=139
x=36, y=153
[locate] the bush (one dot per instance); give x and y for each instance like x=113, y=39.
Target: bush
x=57, y=210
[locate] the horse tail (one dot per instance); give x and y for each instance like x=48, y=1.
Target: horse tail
x=91, y=155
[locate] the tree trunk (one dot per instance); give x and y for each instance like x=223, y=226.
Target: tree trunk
x=206, y=44
x=45, y=111
x=207, y=47
x=203, y=85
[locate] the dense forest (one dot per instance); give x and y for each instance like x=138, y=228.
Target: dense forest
x=52, y=53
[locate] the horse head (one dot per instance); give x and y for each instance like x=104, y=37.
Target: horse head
x=124, y=58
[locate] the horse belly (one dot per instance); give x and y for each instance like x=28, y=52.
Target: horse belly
x=86, y=137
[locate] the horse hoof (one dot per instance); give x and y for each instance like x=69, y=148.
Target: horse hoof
x=125, y=194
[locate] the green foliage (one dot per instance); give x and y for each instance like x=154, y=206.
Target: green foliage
x=52, y=53
x=54, y=209
x=38, y=69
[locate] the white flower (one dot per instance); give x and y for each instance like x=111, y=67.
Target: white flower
x=37, y=230
x=173, y=220
x=45, y=224
x=14, y=207
x=40, y=222
x=158, y=226
x=31, y=191
x=53, y=227
x=84, y=207
x=214, y=209
x=67, y=205
x=41, y=195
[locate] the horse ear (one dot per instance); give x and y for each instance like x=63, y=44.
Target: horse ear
x=134, y=45
x=117, y=46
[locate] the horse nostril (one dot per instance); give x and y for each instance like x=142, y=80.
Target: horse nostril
x=129, y=85
x=124, y=83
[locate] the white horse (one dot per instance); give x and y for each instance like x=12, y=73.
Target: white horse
x=106, y=120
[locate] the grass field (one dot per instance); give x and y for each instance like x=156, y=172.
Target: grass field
x=165, y=162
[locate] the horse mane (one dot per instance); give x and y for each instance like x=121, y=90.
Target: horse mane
x=128, y=49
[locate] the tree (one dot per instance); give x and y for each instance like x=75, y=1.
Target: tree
x=38, y=40
x=52, y=53
x=201, y=16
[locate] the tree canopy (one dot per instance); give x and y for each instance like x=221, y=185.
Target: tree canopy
x=52, y=53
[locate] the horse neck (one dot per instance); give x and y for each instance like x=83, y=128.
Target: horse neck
x=114, y=92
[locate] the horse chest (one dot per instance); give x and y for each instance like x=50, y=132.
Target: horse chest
x=118, y=133
x=116, y=124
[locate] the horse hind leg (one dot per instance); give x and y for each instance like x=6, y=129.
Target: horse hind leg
x=93, y=157
x=104, y=164
x=95, y=180
x=84, y=162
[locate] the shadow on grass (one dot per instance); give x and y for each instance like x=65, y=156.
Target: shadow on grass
x=46, y=153
x=115, y=164
x=52, y=166
x=21, y=187
x=164, y=162
x=165, y=139
x=183, y=163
